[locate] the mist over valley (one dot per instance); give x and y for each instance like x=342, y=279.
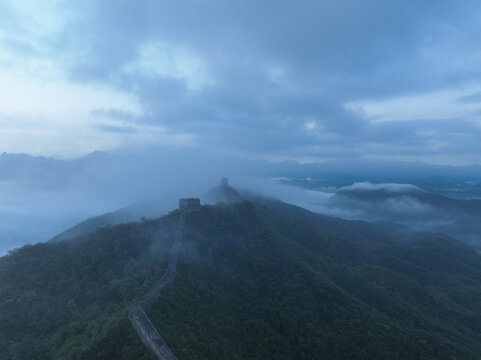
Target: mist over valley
x=240, y=180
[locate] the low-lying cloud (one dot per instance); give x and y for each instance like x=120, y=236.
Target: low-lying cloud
x=388, y=187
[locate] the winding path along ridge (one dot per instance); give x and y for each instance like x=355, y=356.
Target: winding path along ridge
x=137, y=316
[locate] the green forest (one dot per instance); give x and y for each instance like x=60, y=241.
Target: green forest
x=257, y=279
x=69, y=300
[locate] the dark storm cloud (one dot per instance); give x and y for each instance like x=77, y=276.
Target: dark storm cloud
x=279, y=72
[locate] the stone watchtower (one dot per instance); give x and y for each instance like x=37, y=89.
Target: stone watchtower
x=224, y=182
x=189, y=204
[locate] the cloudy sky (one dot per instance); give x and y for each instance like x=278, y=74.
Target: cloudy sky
x=273, y=79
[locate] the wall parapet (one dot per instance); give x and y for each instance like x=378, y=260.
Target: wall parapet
x=189, y=204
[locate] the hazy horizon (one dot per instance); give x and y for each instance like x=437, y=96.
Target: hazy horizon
x=162, y=98
x=350, y=134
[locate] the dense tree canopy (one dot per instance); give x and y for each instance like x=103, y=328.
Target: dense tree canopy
x=256, y=280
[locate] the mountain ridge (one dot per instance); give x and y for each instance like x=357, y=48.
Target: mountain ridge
x=256, y=279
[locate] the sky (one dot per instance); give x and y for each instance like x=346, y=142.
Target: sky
x=274, y=79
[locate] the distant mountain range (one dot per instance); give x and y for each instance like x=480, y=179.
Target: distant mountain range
x=413, y=207
x=61, y=193
x=103, y=165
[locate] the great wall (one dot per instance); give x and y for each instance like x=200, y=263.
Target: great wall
x=146, y=331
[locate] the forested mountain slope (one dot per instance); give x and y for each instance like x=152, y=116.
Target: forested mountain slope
x=69, y=300
x=256, y=279
x=272, y=281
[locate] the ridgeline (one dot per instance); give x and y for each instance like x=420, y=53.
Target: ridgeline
x=255, y=279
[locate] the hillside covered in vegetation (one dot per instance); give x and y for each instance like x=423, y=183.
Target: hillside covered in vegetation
x=69, y=300
x=256, y=280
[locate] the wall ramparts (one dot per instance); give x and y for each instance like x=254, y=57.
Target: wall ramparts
x=146, y=331
x=148, y=334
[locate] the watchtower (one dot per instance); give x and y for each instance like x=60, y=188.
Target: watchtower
x=224, y=182
x=189, y=204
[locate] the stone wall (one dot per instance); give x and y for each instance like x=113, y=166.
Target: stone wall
x=146, y=331
x=148, y=334
x=189, y=204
